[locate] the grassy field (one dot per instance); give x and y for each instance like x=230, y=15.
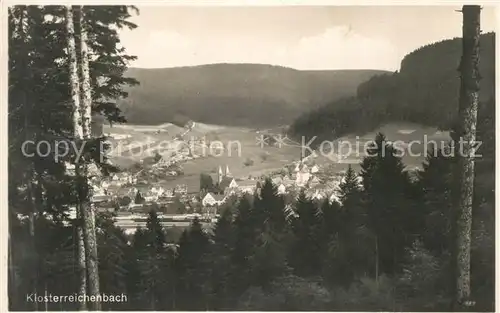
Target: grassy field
x=244, y=155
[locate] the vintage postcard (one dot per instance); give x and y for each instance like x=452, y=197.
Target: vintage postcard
x=231, y=157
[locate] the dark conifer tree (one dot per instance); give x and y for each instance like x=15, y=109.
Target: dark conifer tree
x=152, y=263
x=192, y=269
x=388, y=203
x=271, y=249
x=246, y=232
x=307, y=250
x=220, y=261
x=113, y=255
x=435, y=182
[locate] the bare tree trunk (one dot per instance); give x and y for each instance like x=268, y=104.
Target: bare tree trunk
x=82, y=272
x=376, y=259
x=89, y=214
x=28, y=135
x=78, y=135
x=46, y=295
x=13, y=283
x=466, y=131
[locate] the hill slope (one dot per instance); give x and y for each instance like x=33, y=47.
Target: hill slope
x=424, y=91
x=234, y=94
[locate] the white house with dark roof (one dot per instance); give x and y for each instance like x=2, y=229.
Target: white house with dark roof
x=168, y=193
x=303, y=176
x=150, y=196
x=158, y=190
x=281, y=189
x=314, y=169
x=181, y=189
x=314, y=181
x=211, y=200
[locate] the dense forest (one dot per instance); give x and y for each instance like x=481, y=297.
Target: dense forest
x=424, y=91
x=249, y=94
x=384, y=246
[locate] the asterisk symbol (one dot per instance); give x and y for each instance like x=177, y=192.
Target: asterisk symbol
x=280, y=140
x=262, y=141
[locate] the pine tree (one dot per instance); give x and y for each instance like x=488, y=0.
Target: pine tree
x=307, y=250
x=435, y=182
x=387, y=202
x=270, y=258
x=153, y=263
x=135, y=256
x=191, y=269
x=112, y=258
x=206, y=183
x=354, y=231
x=349, y=187
x=220, y=261
x=246, y=232
x=139, y=199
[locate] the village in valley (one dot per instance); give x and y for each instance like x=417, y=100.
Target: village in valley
x=181, y=184
x=129, y=195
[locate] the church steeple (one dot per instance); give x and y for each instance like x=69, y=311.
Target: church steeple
x=228, y=174
x=220, y=174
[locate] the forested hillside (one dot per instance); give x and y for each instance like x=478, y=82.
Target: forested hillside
x=424, y=91
x=248, y=94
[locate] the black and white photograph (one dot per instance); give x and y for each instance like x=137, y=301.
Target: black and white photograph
x=227, y=156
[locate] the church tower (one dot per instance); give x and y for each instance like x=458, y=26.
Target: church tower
x=228, y=174
x=220, y=175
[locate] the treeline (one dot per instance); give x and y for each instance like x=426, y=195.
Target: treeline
x=385, y=246
x=424, y=91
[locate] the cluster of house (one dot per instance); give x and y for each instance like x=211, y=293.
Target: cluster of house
x=181, y=151
x=122, y=185
x=300, y=177
x=228, y=185
x=173, y=159
x=303, y=178
x=122, y=178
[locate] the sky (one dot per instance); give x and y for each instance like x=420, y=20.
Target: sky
x=300, y=37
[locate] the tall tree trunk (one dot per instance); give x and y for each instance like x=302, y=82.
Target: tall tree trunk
x=82, y=272
x=376, y=260
x=46, y=295
x=13, y=283
x=466, y=131
x=28, y=135
x=78, y=135
x=88, y=209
